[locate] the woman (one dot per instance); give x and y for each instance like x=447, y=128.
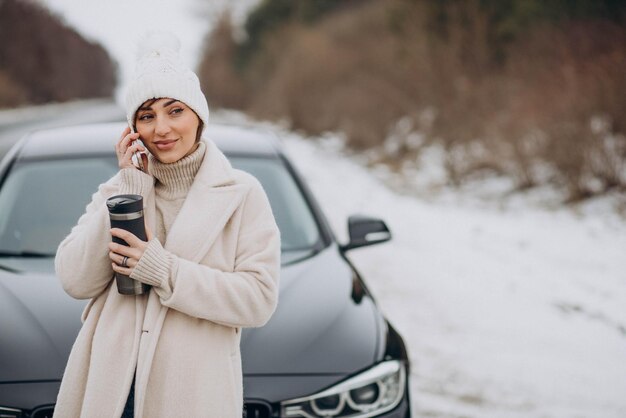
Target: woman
x=213, y=262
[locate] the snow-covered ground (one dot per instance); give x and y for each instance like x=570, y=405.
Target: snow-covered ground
x=515, y=312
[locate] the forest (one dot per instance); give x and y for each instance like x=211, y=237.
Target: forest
x=43, y=60
x=528, y=89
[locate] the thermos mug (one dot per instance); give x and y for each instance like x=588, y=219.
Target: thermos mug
x=126, y=212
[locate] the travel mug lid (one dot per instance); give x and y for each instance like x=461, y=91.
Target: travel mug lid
x=125, y=203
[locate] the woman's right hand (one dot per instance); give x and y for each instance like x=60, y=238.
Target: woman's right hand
x=126, y=146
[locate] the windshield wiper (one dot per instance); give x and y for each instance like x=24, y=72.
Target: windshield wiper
x=25, y=254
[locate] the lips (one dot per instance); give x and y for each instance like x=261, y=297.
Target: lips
x=165, y=145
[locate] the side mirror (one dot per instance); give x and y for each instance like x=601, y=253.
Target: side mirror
x=364, y=231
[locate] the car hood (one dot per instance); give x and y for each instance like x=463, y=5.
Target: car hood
x=38, y=322
x=324, y=323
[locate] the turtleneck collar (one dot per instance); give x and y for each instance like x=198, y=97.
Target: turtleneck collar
x=175, y=179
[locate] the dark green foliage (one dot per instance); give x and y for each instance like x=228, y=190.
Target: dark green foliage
x=510, y=19
x=270, y=15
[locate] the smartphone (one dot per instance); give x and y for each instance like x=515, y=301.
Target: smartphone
x=137, y=159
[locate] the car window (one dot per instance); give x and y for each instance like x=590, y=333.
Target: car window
x=298, y=228
x=40, y=201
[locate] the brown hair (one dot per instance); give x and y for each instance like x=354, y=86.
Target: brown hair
x=199, y=131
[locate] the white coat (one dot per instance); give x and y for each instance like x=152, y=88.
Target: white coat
x=185, y=348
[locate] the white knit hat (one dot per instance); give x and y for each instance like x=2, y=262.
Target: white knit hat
x=160, y=73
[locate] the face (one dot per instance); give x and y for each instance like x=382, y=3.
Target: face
x=168, y=128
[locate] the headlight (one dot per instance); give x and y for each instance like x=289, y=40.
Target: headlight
x=10, y=412
x=377, y=390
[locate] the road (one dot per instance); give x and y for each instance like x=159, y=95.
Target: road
x=14, y=123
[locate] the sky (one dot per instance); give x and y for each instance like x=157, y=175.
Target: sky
x=118, y=24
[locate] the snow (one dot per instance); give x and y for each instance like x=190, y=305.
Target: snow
x=509, y=310
x=477, y=295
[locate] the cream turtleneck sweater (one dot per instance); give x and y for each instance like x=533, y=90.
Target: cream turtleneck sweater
x=171, y=185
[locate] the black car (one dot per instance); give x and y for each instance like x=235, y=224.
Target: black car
x=326, y=352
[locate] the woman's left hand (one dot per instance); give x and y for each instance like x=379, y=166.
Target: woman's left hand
x=134, y=251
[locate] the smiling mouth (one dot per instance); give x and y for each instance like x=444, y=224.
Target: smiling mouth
x=165, y=144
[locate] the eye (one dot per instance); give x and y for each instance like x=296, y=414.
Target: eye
x=176, y=111
x=145, y=116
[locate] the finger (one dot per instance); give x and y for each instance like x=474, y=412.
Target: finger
x=119, y=260
x=123, y=270
x=123, y=250
x=130, y=238
x=124, y=142
x=128, y=139
x=125, y=160
x=120, y=150
x=133, y=251
x=124, y=133
x=134, y=148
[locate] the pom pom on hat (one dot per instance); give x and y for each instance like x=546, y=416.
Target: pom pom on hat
x=159, y=73
x=157, y=43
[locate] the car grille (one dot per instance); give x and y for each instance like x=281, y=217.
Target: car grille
x=42, y=412
x=256, y=410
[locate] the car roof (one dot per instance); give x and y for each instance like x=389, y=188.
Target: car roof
x=100, y=138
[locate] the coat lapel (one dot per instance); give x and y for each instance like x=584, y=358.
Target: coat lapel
x=212, y=199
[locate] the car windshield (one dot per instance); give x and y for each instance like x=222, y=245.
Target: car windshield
x=41, y=200
x=298, y=229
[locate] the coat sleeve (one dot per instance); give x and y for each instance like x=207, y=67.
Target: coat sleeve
x=245, y=297
x=82, y=261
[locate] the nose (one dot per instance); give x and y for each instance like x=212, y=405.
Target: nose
x=162, y=127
